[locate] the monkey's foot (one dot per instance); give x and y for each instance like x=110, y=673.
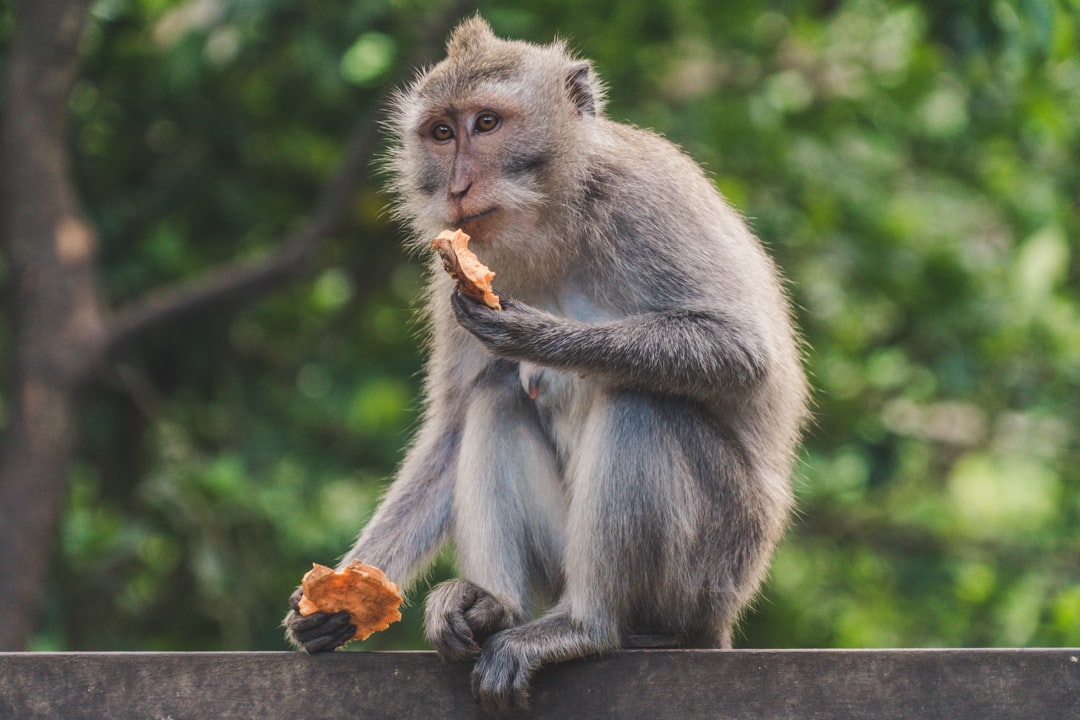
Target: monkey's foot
x=461, y=616
x=502, y=676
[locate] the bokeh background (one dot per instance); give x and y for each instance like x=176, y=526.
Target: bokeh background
x=913, y=166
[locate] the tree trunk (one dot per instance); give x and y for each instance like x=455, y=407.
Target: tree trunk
x=59, y=337
x=56, y=329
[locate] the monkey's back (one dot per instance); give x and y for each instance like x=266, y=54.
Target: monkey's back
x=665, y=239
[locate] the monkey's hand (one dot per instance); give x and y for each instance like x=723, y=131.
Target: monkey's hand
x=509, y=332
x=317, y=632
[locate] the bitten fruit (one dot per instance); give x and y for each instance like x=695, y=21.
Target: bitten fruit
x=363, y=591
x=472, y=276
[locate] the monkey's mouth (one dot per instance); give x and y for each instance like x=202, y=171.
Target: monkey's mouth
x=474, y=217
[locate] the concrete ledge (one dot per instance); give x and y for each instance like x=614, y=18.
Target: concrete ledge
x=804, y=684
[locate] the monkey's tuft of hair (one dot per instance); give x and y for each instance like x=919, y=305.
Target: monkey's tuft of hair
x=471, y=33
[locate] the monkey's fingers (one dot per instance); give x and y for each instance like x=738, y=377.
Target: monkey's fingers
x=330, y=641
x=294, y=599
x=306, y=627
x=452, y=637
x=319, y=632
x=463, y=298
x=447, y=628
x=487, y=616
x=459, y=300
x=503, y=332
x=455, y=642
x=471, y=314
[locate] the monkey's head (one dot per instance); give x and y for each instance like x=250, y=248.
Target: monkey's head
x=486, y=139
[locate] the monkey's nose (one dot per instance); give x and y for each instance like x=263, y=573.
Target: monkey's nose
x=457, y=194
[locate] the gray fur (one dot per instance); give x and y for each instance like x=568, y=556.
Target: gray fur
x=615, y=446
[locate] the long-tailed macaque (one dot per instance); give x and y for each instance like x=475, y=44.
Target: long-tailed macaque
x=615, y=445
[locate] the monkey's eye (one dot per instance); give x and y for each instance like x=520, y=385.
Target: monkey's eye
x=441, y=132
x=486, y=122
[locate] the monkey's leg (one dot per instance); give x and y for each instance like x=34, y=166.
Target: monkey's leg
x=646, y=548
x=507, y=527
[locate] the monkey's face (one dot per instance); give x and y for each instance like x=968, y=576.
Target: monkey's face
x=492, y=140
x=478, y=163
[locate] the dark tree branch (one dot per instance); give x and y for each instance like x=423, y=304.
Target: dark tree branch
x=233, y=285
x=229, y=287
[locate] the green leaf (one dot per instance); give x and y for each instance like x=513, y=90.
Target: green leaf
x=368, y=59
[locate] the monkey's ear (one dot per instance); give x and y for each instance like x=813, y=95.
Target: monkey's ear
x=582, y=89
x=469, y=35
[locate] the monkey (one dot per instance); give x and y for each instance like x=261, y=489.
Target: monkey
x=611, y=453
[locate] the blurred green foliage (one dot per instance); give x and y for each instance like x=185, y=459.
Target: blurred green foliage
x=912, y=165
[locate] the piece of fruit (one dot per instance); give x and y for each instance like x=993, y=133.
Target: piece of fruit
x=472, y=276
x=363, y=591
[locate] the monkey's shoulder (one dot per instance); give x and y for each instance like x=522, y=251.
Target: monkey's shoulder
x=645, y=154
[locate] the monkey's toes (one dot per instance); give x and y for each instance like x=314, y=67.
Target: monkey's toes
x=502, y=677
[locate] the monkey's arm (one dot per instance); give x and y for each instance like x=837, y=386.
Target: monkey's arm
x=407, y=529
x=412, y=520
x=689, y=352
